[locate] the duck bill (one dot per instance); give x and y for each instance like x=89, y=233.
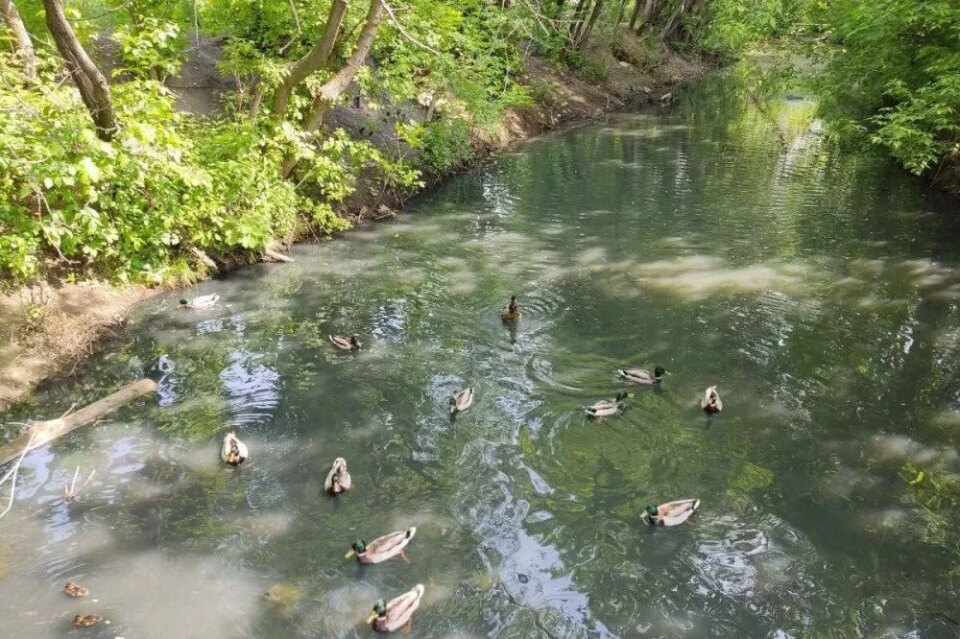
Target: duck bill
x=373, y=615
x=349, y=554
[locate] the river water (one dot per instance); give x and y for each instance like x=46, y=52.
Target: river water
x=818, y=289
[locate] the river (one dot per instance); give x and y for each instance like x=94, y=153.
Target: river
x=819, y=289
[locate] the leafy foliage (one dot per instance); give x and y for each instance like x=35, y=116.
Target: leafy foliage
x=893, y=72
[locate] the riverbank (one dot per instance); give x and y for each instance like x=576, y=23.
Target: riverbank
x=48, y=327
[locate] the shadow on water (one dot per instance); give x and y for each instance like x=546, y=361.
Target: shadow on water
x=821, y=290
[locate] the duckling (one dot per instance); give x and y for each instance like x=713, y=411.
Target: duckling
x=233, y=451
x=672, y=513
x=382, y=548
x=200, y=303
x=338, y=479
x=387, y=617
x=510, y=312
x=607, y=407
x=461, y=401
x=642, y=375
x=345, y=343
x=711, y=401
x=85, y=621
x=75, y=590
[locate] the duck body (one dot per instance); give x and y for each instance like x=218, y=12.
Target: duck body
x=642, y=376
x=338, y=479
x=85, y=621
x=75, y=590
x=510, y=312
x=233, y=451
x=672, y=513
x=461, y=401
x=344, y=342
x=200, y=302
x=607, y=407
x=382, y=548
x=398, y=612
x=710, y=402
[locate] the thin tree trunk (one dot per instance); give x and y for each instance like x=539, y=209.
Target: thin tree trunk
x=649, y=10
x=673, y=23
x=585, y=33
x=577, y=19
x=635, y=15
x=21, y=39
x=622, y=12
x=314, y=59
x=93, y=87
x=333, y=88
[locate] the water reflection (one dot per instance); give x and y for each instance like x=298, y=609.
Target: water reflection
x=817, y=288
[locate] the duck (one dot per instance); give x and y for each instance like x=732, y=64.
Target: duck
x=642, y=375
x=200, y=302
x=75, y=590
x=85, y=621
x=398, y=612
x=382, y=548
x=345, y=343
x=510, y=312
x=672, y=513
x=711, y=400
x=461, y=401
x=233, y=451
x=607, y=407
x=338, y=479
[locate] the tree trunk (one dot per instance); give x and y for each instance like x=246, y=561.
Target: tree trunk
x=673, y=23
x=649, y=10
x=92, y=85
x=577, y=19
x=310, y=63
x=635, y=15
x=21, y=39
x=622, y=12
x=333, y=88
x=41, y=433
x=585, y=33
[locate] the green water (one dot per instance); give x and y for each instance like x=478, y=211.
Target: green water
x=818, y=289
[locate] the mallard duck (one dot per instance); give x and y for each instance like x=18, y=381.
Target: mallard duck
x=338, y=479
x=75, y=590
x=382, y=548
x=387, y=617
x=711, y=400
x=607, y=407
x=199, y=303
x=345, y=343
x=461, y=401
x=510, y=312
x=642, y=375
x=85, y=621
x=233, y=451
x=672, y=513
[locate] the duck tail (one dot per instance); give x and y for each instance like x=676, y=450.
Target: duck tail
x=411, y=531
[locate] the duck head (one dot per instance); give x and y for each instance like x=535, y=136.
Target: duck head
x=359, y=547
x=659, y=372
x=379, y=610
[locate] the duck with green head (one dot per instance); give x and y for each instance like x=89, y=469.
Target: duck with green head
x=398, y=612
x=382, y=548
x=642, y=376
x=200, y=302
x=608, y=407
x=672, y=513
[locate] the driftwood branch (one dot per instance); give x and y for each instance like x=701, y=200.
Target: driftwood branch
x=44, y=432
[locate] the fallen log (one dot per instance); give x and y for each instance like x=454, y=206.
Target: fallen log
x=40, y=433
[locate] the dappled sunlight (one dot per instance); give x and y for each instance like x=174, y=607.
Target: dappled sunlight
x=698, y=277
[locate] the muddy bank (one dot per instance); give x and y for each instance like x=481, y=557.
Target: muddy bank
x=47, y=328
